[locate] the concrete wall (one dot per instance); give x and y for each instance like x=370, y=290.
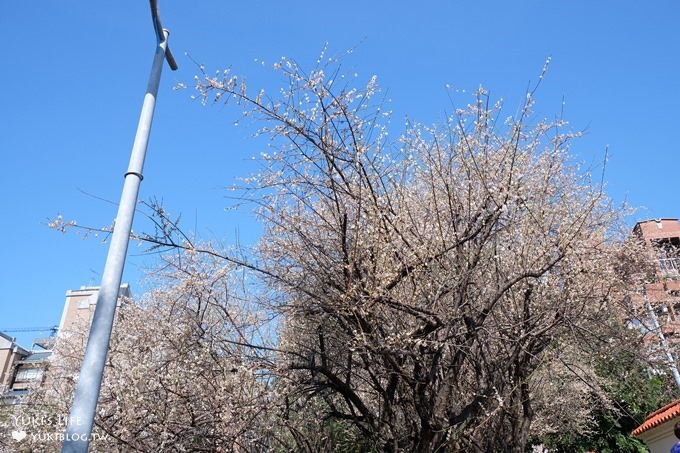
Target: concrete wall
x=660, y=439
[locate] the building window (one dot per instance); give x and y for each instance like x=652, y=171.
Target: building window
x=668, y=254
x=29, y=374
x=670, y=268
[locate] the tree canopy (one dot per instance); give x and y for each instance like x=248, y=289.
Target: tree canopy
x=452, y=289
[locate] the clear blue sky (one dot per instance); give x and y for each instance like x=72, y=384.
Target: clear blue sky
x=73, y=74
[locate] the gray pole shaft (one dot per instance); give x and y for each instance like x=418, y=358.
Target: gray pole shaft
x=662, y=341
x=81, y=418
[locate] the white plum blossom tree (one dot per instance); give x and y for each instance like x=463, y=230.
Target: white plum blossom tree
x=447, y=290
x=184, y=370
x=426, y=284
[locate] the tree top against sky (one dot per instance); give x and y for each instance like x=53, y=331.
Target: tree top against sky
x=75, y=73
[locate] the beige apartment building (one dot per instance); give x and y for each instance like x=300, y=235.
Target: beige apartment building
x=10, y=354
x=20, y=368
x=80, y=304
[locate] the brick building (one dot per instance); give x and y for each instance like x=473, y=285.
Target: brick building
x=661, y=293
x=662, y=236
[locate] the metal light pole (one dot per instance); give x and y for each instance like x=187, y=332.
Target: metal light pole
x=81, y=418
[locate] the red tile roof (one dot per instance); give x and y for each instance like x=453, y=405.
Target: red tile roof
x=658, y=417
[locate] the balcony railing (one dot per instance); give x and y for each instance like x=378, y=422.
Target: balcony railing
x=670, y=268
